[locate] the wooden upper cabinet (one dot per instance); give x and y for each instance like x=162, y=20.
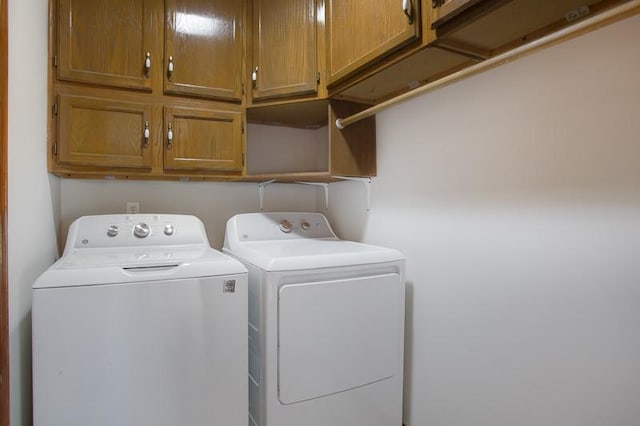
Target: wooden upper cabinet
x=204, y=48
x=360, y=32
x=202, y=140
x=106, y=42
x=96, y=132
x=284, y=48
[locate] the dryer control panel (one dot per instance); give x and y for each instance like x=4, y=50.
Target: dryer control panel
x=133, y=230
x=278, y=226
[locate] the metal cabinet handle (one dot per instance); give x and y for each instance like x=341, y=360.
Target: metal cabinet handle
x=170, y=136
x=254, y=76
x=146, y=134
x=407, y=8
x=147, y=63
x=170, y=67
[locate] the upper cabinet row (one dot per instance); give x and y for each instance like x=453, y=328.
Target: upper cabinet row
x=296, y=48
x=166, y=88
x=160, y=89
x=194, y=46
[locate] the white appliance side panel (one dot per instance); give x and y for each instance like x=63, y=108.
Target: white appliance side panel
x=338, y=335
x=161, y=353
x=256, y=332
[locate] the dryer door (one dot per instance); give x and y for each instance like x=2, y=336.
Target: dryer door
x=338, y=335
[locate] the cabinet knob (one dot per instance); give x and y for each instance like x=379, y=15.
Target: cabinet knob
x=170, y=68
x=147, y=64
x=254, y=76
x=146, y=134
x=170, y=136
x=407, y=8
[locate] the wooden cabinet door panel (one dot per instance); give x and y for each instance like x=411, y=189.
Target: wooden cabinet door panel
x=284, y=48
x=106, y=41
x=103, y=133
x=362, y=31
x=203, y=39
x=203, y=140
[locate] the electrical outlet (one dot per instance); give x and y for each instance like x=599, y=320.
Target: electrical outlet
x=133, y=207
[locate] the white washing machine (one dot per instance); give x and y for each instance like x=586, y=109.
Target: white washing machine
x=326, y=323
x=140, y=323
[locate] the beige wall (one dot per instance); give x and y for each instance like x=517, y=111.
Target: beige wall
x=33, y=195
x=515, y=196
x=41, y=207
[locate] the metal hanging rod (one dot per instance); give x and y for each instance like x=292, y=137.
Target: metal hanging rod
x=568, y=32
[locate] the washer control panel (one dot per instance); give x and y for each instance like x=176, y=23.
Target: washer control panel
x=135, y=230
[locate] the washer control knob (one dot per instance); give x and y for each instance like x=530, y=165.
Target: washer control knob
x=112, y=230
x=285, y=226
x=169, y=229
x=141, y=230
x=305, y=225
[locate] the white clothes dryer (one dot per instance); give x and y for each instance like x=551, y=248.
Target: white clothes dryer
x=326, y=323
x=139, y=323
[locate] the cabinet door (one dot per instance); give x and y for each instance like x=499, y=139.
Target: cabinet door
x=104, y=133
x=204, y=48
x=198, y=139
x=106, y=42
x=362, y=31
x=284, y=48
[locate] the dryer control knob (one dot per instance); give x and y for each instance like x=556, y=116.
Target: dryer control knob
x=169, y=229
x=112, y=230
x=305, y=225
x=141, y=230
x=285, y=226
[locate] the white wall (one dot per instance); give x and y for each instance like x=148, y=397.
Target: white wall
x=515, y=196
x=33, y=195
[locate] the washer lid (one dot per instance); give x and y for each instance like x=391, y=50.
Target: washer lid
x=96, y=266
x=310, y=254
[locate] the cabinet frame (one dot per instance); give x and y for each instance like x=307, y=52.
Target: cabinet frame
x=350, y=151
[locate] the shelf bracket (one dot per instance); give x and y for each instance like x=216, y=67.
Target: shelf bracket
x=261, y=187
x=365, y=181
x=326, y=190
